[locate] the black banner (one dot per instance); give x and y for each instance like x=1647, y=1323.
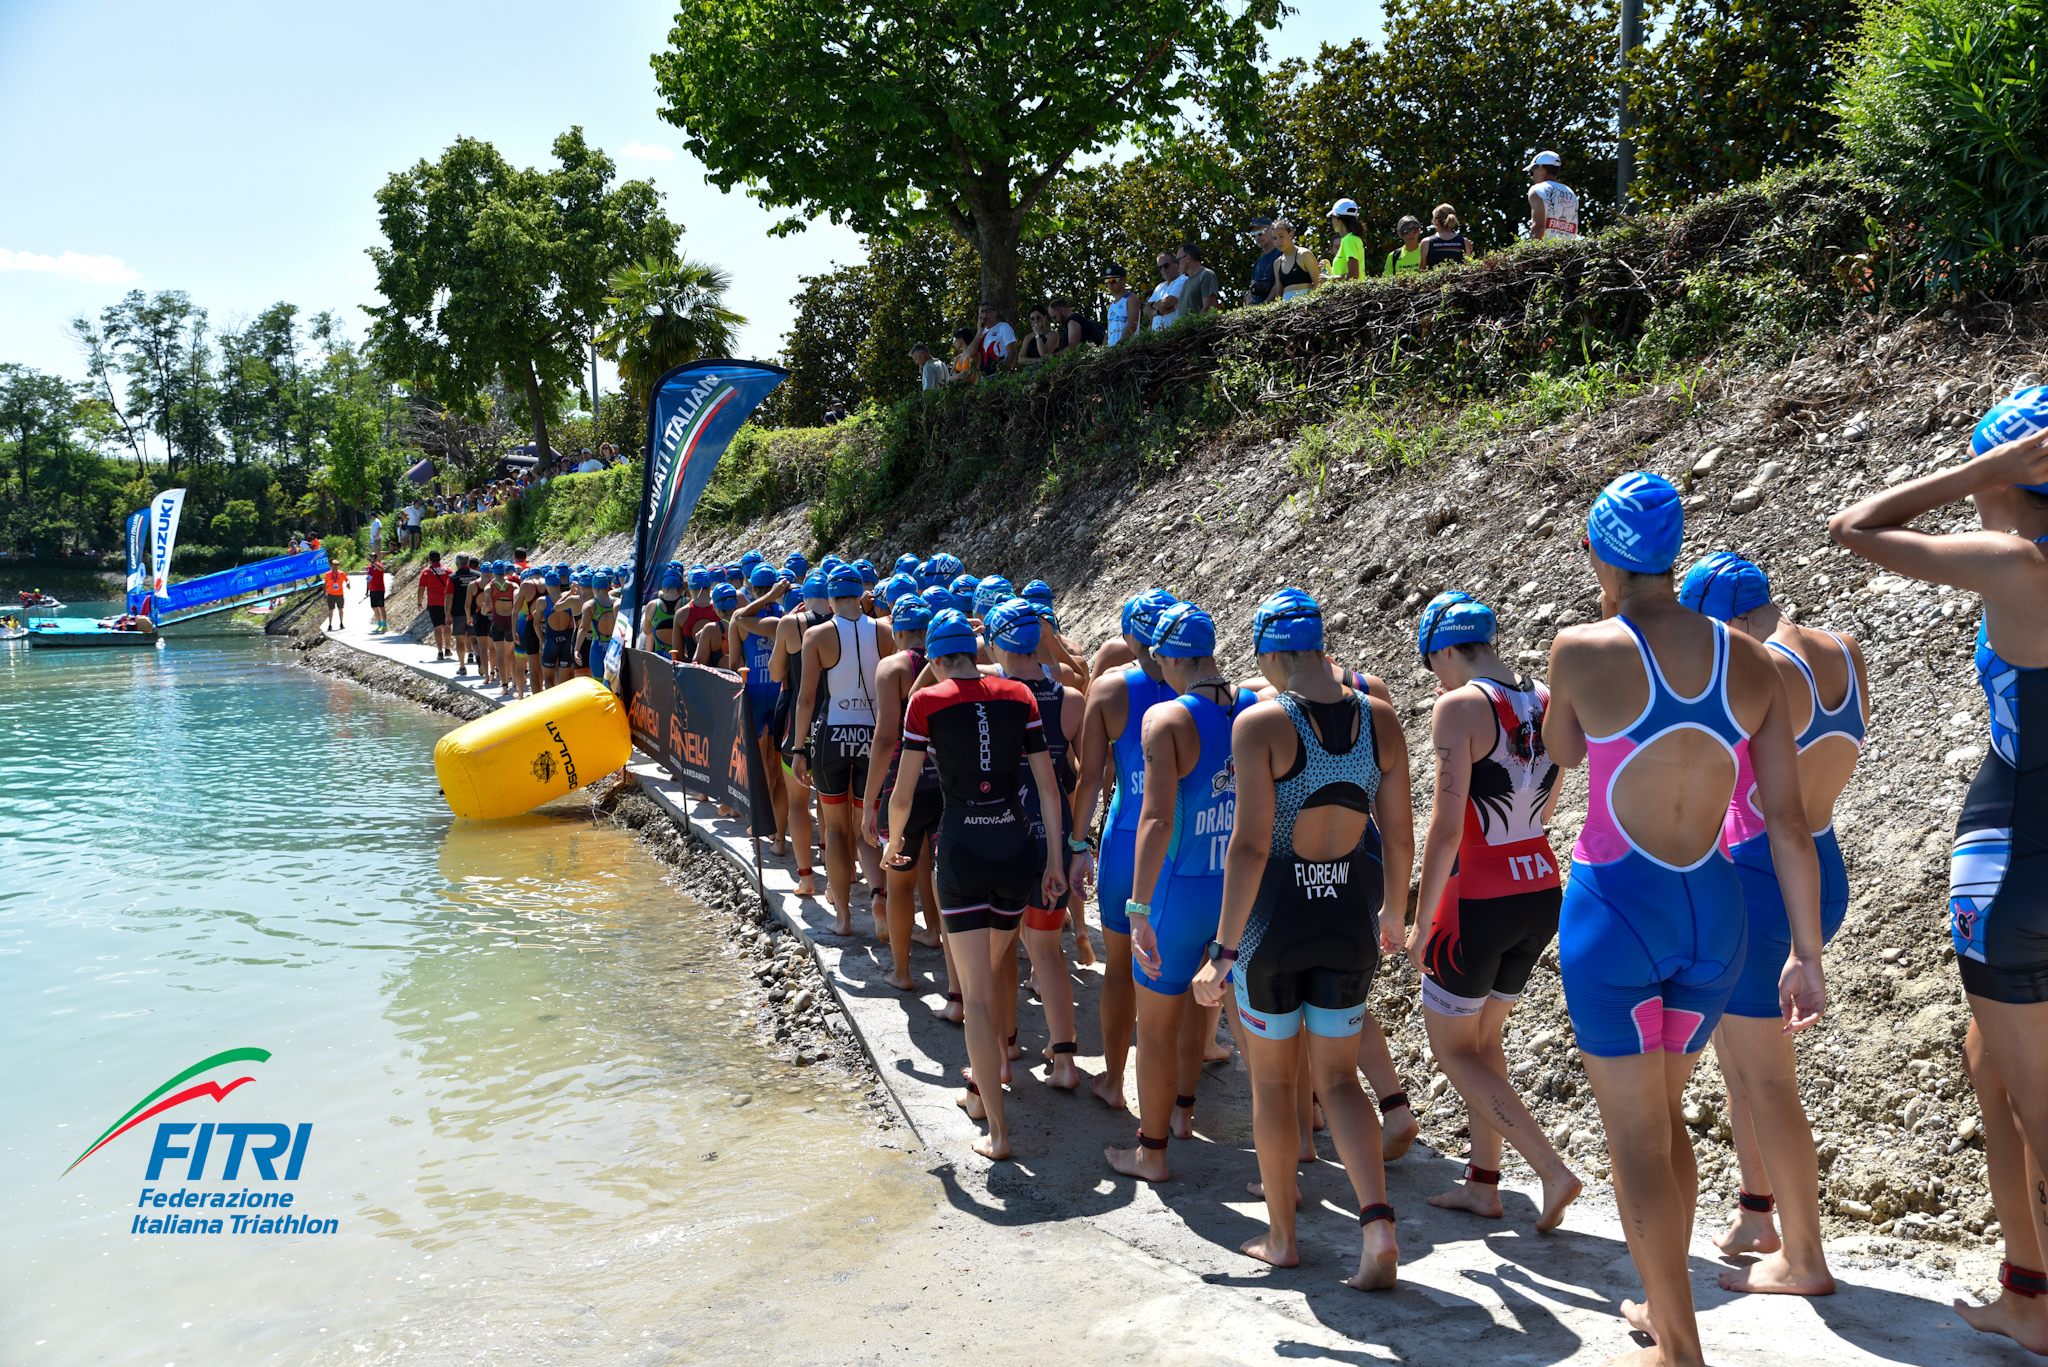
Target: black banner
x=697, y=722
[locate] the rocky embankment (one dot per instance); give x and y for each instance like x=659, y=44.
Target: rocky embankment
x=1764, y=456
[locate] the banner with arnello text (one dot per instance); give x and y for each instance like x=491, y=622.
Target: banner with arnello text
x=138, y=559
x=697, y=409
x=698, y=723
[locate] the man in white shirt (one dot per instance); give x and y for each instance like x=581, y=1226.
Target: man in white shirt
x=413, y=516
x=996, y=343
x=1553, y=208
x=930, y=369
x=376, y=531
x=1121, y=322
x=1164, y=304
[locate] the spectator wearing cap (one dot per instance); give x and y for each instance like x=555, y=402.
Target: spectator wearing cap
x=996, y=343
x=1261, y=288
x=930, y=369
x=835, y=411
x=1349, y=261
x=1198, y=295
x=1406, y=259
x=1446, y=244
x=1295, y=268
x=1164, y=304
x=1120, y=322
x=1553, y=208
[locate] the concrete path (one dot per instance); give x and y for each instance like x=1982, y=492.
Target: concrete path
x=1471, y=1290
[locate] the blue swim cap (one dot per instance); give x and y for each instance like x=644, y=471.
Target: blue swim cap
x=844, y=582
x=2021, y=415
x=797, y=566
x=948, y=633
x=1724, y=585
x=763, y=577
x=671, y=578
x=1637, y=523
x=751, y=559
x=814, y=584
x=724, y=596
x=963, y=587
x=991, y=591
x=1185, y=633
x=735, y=574
x=1141, y=614
x=551, y=579
x=868, y=574
x=1451, y=619
x=894, y=587
x=562, y=570
x=1288, y=620
x=909, y=613
x=907, y=563
x=699, y=577
x=1013, y=625
x=939, y=599
x=1037, y=591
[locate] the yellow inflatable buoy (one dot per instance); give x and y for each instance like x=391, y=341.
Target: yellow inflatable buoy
x=534, y=750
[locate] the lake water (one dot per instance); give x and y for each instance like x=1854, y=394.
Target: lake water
x=509, y=1038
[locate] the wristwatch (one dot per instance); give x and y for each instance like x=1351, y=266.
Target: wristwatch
x=1215, y=950
x=1143, y=909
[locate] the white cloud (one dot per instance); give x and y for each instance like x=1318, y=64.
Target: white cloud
x=98, y=270
x=641, y=151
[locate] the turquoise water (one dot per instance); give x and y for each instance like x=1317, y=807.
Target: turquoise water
x=510, y=1039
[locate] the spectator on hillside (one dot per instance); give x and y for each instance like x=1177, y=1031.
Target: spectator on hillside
x=835, y=411
x=1261, y=288
x=1553, y=208
x=1073, y=329
x=1406, y=259
x=996, y=343
x=1447, y=244
x=414, y=515
x=1164, y=304
x=965, y=362
x=931, y=371
x=1349, y=261
x=1041, y=342
x=1120, y=323
x=1199, y=294
x=1295, y=270
x=376, y=534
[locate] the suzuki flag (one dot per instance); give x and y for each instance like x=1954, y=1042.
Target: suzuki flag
x=163, y=538
x=697, y=408
x=138, y=559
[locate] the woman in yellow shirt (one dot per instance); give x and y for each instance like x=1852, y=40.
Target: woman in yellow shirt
x=1349, y=261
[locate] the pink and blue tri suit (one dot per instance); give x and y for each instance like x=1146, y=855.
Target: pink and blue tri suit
x=1749, y=845
x=1649, y=951
x=1120, y=826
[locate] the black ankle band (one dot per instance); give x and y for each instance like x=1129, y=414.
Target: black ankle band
x=952, y=996
x=1064, y=1047
x=1184, y=1103
x=1371, y=1213
x=1391, y=1100
x=1490, y=1176
x=1145, y=1142
x=1750, y=1201
x=974, y=1089
x=2024, y=1281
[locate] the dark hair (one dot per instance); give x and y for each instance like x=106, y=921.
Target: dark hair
x=1192, y=249
x=433, y=557
x=1038, y=308
x=1352, y=224
x=1060, y=301
x=963, y=334
x=519, y=552
x=950, y=658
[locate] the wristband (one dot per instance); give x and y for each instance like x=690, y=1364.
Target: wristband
x=1142, y=909
x=1080, y=844
x=1217, y=953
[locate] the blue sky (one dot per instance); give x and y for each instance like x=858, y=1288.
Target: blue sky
x=232, y=149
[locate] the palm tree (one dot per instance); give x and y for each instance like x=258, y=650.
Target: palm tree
x=664, y=313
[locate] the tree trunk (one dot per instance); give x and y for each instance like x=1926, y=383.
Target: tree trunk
x=995, y=242
x=536, y=411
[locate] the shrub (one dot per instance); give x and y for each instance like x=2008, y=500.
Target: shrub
x=1944, y=99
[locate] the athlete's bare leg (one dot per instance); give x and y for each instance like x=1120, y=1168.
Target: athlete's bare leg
x=928, y=894
x=870, y=859
x=953, y=1010
x=1468, y=1048
x=1656, y=1185
x=1119, y=1006
x=1056, y=990
x=1213, y=1050
x=1274, y=1066
x=1398, y=1126
x=902, y=883
x=1763, y=1060
x=1196, y=1031
x=1354, y=1122
x=799, y=826
x=778, y=802
x=984, y=1042
x=838, y=815
x=2007, y=1054
x=1169, y=1062
x=1077, y=921
x=1753, y=1231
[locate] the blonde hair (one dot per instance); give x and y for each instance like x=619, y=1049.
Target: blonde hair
x=1444, y=216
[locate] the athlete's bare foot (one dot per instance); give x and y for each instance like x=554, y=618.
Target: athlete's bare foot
x=1147, y=1165
x=1638, y=1357
x=1481, y=1198
x=1181, y=1124
x=1064, y=1073
x=842, y=921
x=2023, y=1319
x=1110, y=1092
x=1315, y=1114
x=1270, y=1248
x=970, y=1102
x=1558, y=1192
x=1084, y=951
x=967, y=1072
x=954, y=1010
x=1215, y=1052
x=927, y=937
x=902, y=984
x=806, y=885
x=1774, y=1273
x=1637, y=1313
x=878, y=907
x=1379, y=1260
x=992, y=1148
x=1011, y=1050
x=1752, y=1232
x=1258, y=1192
x=1398, y=1129
x=1308, y=1150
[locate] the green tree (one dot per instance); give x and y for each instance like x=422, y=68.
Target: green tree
x=956, y=112
x=664, y=314
x=491, y=271
x=36, y=412
x=358, y=461
x=1731, y=89
x=236, y=524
